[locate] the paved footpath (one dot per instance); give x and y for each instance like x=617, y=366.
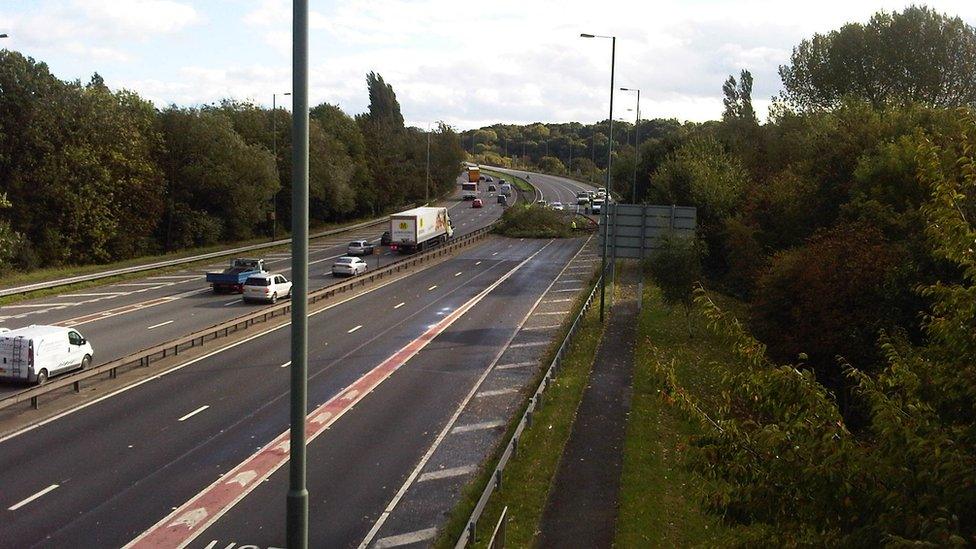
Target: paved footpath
x=582, y=507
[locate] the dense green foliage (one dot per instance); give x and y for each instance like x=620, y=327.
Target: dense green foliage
x=846, y=222
x=675, y=268
x=534, y=221
x=88, y=175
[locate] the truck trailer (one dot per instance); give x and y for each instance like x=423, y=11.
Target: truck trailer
x=413, y=230
x=474, y=173
x=232, y=279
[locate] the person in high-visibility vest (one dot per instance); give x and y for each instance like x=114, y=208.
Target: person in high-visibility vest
x=574, y=224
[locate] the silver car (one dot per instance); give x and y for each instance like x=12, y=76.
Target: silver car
x=360, y=247
x=348, y=266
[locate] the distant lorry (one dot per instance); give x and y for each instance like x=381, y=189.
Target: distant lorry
x=415, y=229
x=474, y=174
x=35, y=353
x=232, y=279
x=469, y=191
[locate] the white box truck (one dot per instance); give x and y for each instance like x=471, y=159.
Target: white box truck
x=36, y=353
x=415, y=229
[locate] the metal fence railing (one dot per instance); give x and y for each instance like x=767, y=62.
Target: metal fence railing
x=199, y=338
x=535, y=403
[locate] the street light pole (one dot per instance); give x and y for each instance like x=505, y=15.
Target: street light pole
x=605, y=208
x=274, y=153
x=633, y=189
x=296, y=517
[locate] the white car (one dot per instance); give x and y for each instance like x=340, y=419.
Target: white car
x=36, y=353
x=266, y=287
x=349, y=266
x=558, y=206
x=360, y=247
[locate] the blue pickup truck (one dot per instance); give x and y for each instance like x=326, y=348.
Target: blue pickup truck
x=232, y=279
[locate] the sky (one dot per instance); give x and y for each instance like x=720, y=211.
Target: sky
x=469, y=64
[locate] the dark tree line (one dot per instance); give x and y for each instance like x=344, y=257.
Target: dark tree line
x=88, y=175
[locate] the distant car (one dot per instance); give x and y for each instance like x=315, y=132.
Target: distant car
x=360, y=247
x=386, y=239
x=591, y=194
x=481, y=178
x=503, y=200
x=348, y=266
x=558, y=206
x=542, y=203
x=266, y=287
x=477, y=203
x=582, y=198
x=492, y=188
x=488, y=179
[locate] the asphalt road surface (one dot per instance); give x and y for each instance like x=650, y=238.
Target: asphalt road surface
x=125, y=317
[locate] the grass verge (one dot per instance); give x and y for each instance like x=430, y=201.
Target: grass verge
x=529, y=475
x=519, y=183
x=660, y=498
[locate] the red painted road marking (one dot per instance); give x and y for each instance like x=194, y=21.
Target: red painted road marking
x=184, y=524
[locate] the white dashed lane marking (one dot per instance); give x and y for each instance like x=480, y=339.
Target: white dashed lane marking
x=193, y=413
x=447, y=473
x=160, y=324
x=398, y=305
x=24, y=502
x=353, y=329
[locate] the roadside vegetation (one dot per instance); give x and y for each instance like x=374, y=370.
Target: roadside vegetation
x=533, y=221
x=132, y=179
x=843, y=225
x=661, y=499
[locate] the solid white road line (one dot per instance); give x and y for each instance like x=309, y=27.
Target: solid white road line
x=351, y=330
x=481, y=426
x=32, y=498
x=95, y=294
x=398, y=305
x=406, y=539
x=133, y=284
x=450, y=423
x=160, y=324
x=497, y=392
x=193, y=413
x=432, y=288
x=168, y=277
x=447, y=473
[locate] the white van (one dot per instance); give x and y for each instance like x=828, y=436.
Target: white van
x=36, y=353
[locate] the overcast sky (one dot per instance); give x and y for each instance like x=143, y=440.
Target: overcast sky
x=467, y=63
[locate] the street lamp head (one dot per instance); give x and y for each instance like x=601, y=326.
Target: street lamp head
x=4, y=35
x=286, y=93
x=584, y=35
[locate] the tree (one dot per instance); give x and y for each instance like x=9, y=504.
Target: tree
x=9, y=239
x=738, y=98
x=220, y=188
x=675, y=267
x=829, y=298
x=918, y=55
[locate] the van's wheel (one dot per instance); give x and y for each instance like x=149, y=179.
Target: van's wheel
x=274, y=297
x=86, y=362
x=42, y=377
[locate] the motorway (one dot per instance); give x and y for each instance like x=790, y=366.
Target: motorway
x=136, y=314
x=105, y=474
